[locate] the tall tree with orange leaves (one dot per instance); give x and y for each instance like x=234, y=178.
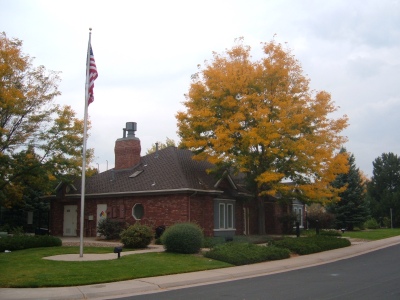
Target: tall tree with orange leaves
x=40, y=141
x=260, y=118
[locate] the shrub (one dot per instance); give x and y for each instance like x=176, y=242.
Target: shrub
x=329, y=243
x=287, y=220
x=17, y=230
x=211, y=242
x=387, y=222
x=252, y=239
x=159, y=231
x=298, y=245
x=110, y=229
x=244, y=253
x=316, y=212
x=137, y=236
x=371, y=224
x=332, y=232
x=20, y=242
x=314, y=244
x=183, y=238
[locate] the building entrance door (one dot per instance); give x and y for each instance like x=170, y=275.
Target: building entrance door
x=101, y=213
x=70, y=220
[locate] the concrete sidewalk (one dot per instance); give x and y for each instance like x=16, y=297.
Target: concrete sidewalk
x=162, y=283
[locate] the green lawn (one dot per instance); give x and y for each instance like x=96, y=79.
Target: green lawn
x=373, y=234
x=26, y=268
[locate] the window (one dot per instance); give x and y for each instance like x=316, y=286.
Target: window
x=136, y=173
x=225, y=214
x=222, y=215
x=298, y=211
x=138, y=211
x=230, y=216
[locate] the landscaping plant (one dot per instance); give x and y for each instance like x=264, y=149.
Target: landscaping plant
x=313, y=244
x=371, y=224
x=244, y=253
x=137, y=236
x=19, y=242
x=184, y=238
x=110, y=229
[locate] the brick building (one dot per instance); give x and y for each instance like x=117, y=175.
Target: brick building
x=161, y=188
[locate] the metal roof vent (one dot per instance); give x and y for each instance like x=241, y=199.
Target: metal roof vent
x=131, y=127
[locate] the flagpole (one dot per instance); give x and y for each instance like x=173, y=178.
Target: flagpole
x=84, y=148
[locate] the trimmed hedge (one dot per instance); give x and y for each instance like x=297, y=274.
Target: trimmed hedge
x=314, y=244
x=20, y=242
x=184, y=238
x=238, y=254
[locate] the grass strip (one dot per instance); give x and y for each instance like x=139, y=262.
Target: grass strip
x=27, y=268
x=373, y=234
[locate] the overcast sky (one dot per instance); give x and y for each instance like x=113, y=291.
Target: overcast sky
x=146, y=51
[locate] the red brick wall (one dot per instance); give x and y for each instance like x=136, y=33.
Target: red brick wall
x=253, y=217
x=57, y=217
x=168, y=210
x=202, y=213
x=158, y=210
x=127, y=153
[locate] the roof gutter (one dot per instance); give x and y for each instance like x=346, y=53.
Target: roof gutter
x=143, y=193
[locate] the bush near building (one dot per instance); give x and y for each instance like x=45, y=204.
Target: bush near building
x=184, y=238
x=110, y=229
x=137, y=236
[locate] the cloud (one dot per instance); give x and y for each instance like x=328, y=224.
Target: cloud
x=146, y=52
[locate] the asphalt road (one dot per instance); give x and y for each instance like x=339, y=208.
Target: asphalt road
x=375, y=275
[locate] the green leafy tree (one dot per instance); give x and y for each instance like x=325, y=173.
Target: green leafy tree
x=351, y=210
x=160, y=145
x=260, y=118
x=384, y=188
x=40, y=142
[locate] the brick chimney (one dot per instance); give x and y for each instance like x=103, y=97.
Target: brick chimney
x=127, y=149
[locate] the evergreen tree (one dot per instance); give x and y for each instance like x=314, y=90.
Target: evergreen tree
x=351, y=210
x=384, y=188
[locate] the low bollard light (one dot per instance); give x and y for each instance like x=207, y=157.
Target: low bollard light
x=118, y=250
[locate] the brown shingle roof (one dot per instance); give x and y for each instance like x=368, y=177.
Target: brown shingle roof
x=170, y=168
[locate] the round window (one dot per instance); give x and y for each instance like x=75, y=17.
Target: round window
x=138, y=211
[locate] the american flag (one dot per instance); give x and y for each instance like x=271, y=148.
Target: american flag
x=92, y=76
